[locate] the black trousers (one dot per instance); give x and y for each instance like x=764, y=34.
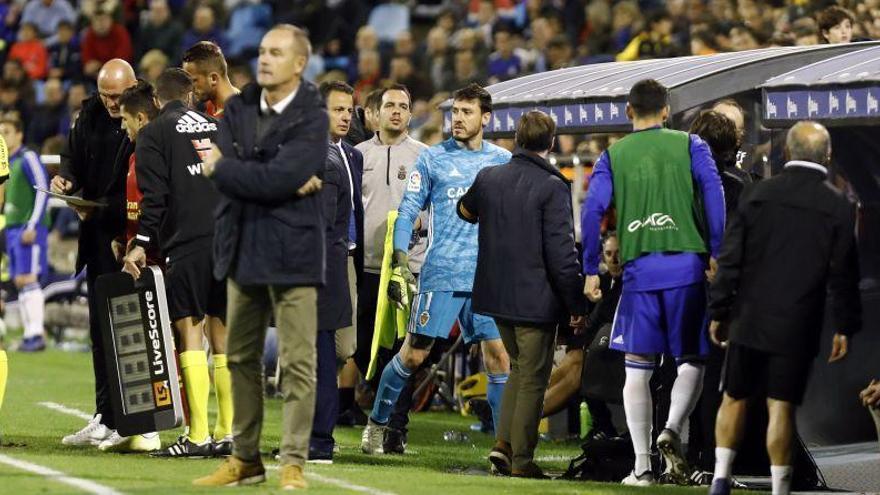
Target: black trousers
x=326, y=394
x=100, y=263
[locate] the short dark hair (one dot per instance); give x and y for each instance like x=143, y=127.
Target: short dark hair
x=396, y=87
x=833, y=16
x=328, y=87
x=474, y=91
x=374, y=99
x=535, y=130
x=719, y=132
x=208, y=56
x=139, y=99
x=173, y=84
x=657, y=15
x=647, y=97
x=15, y=122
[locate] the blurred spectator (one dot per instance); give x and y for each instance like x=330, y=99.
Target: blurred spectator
x=654, y=42
x=466, y=71
x=805, y=32
x=152, y=64
x=625, y=22
x=405, y=45
x=437, y=62
x=160, y=31
x=104, y=40
x=248, y=22
x=76, y=93
x=559, y=53
x=9, y=14
x=29, y=50
x=335, y=58
x=835, y=25
x=365, y=40
x=204, y=28
x=743, y=38
x=13, y=72
x=369, y=73
x=65, y=61
x=240, y=75
x=703, y=43
x=11, y=105
x=403, y=72
x=504, y=64
x=47, y=119
x=595, y=34
x=483, y=19
x=46, y=14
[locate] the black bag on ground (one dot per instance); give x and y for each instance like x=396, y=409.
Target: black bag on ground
x=607, y=459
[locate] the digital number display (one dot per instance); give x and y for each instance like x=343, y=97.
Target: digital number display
x=132, y=355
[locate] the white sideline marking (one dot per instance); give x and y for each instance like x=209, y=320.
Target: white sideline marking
x=340, y=483
x=84, y=485
x=67, y=410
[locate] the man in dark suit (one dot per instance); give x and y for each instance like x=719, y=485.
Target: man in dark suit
x=790, y=241
x=95, y=162
x=527, y=276
x=336, y=336
x=269, y=242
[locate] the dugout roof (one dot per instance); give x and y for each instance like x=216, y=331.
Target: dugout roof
x=842, y=90
x=592, y=98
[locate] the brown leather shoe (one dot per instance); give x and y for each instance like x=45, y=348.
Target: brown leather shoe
x=500, y=458
x=292, y=477
x=234, y=472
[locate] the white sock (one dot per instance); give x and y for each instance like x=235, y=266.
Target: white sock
x=724, y=462
x=781, y=476
x=685, y=394
x=639, y=412
x=31, y=305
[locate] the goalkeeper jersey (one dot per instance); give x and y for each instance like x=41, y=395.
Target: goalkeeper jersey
x=443, y=174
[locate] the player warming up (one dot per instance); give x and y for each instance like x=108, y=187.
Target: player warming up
x=443, y=174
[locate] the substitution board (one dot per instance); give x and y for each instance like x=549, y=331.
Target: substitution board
x=139, y=351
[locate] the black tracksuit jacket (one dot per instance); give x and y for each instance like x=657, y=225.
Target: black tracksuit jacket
x=177, y=211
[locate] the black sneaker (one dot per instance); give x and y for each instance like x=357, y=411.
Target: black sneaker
x=320, y=457
x=223, y=447
x=395, y=441
x=184, y=447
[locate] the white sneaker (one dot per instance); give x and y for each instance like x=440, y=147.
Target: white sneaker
x=644, y=479
x=373, y=438
x=148, y=442
x=93, y=434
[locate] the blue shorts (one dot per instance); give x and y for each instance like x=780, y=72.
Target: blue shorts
x=671, y=321
x=434, y=313
x=27, y=260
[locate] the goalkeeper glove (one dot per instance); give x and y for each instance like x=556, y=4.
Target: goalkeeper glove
x=402, y=282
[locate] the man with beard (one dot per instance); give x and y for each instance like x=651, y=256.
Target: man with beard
x=205, y=63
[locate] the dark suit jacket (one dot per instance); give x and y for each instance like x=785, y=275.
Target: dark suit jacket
x=265, y=234
x=356, y=162
x=334, y=299
x=789, y=242
x=527, y=264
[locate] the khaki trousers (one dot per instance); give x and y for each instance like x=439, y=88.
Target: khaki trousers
x=296, y=317
x=531, y=359
x=346, y=338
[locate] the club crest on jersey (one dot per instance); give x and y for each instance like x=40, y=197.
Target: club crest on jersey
x=415, y=182
x=423, y=318
x=401, y=173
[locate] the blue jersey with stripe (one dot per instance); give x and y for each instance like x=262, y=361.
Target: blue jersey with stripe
x=442, y=175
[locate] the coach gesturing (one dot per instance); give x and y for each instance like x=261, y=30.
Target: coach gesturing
x=269, y=241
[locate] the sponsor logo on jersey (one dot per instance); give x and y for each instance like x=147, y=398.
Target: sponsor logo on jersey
x=193, y=123
x=654, y=222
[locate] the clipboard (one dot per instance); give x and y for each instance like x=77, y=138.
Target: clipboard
x=73, y=200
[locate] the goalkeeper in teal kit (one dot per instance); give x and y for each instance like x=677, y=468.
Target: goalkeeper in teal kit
x=442, y=175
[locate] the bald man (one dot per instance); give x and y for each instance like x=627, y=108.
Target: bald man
x=94, y=163
x=788, y=243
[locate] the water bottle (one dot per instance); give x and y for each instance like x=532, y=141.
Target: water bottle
x=586, y=420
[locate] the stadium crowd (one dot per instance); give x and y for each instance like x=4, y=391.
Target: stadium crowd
x=351, y=98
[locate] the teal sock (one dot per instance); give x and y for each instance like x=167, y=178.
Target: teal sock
x=494, y=391
x=394, y=378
